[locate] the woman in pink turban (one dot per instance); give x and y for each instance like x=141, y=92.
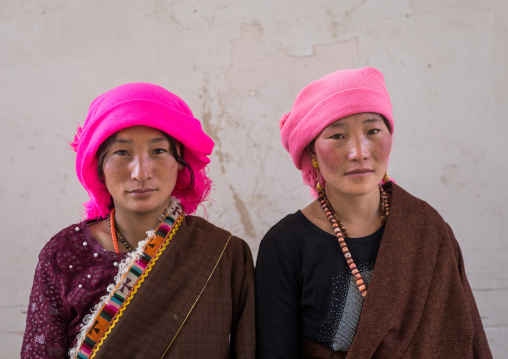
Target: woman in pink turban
x=366, y=270
x=130, y=280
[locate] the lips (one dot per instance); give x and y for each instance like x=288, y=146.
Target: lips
x=141, y=190
x=359, y=171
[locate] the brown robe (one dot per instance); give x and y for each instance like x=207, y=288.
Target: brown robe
x=419, y=303
x=221, y=325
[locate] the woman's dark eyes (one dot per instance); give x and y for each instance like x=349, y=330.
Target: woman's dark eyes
x=337, y=137
x=160, y=150
x=126, y=153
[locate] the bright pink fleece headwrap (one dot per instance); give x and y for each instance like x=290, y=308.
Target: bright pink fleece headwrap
x=148, y=105
x=332, y=97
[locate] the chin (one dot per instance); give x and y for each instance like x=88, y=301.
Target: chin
x=358, y=189
x=359, y=193
x=145, y=208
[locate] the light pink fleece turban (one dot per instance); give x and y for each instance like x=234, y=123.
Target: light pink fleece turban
x=148, y=105
x=332, y=97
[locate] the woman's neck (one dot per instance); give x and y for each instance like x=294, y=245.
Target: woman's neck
x=354, y=208
x=134, y=226
x=360, y=215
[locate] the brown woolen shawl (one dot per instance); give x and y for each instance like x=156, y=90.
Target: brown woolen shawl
x=420, y=304
x=222, y=323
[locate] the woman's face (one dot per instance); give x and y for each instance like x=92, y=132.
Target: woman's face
x=352, y=154
x=140, y=171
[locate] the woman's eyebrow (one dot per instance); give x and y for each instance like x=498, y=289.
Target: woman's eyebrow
x=373, y=119
x=157, y=140
x=335, y=124
x=152, y=140
x=120, y=140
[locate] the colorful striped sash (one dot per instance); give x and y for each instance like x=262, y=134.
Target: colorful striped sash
x=112, y=308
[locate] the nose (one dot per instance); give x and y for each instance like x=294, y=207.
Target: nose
x=358, y=150
x=141, y=168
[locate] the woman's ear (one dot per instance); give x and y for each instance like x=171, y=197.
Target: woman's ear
x=311, y=150
x=180, y=154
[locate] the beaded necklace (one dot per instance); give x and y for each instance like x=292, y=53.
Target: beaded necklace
x=116, y=234
x=341, y=233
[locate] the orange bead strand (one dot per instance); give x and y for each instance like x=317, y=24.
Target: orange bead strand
x=111, y=222
x=340, y=233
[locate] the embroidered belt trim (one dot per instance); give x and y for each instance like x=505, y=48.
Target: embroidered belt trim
x=114, y=307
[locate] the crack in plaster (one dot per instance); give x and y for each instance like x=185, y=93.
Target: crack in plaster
x=247, y=73
x=345, y=18
x=245, y=219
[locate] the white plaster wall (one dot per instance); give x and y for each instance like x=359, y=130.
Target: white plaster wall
x=239, y=65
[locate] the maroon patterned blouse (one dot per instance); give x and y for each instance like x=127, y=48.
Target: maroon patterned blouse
x=72, y=275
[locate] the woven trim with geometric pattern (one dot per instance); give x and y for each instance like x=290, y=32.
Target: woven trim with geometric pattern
x=115, y=305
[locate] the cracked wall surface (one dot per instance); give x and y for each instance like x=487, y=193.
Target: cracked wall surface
x=239, y=65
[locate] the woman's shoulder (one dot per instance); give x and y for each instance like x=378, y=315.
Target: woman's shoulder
x=211, y=232
x=212, y=238
x=412, y=205
x=197, y=222
x=294, y=232
x=411, y=214
x=287, y=225
x=65, y=238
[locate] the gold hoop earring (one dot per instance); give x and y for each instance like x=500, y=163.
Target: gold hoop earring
x=319, y=187
x=386, y=177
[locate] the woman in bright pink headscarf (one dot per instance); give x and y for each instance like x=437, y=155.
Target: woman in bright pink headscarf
x=129, y=281
x=366, y=270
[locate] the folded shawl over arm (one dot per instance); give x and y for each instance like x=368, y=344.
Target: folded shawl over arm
x=420, y=304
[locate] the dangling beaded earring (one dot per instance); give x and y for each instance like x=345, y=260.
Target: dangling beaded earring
x=386, y=177
x=319, y=187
